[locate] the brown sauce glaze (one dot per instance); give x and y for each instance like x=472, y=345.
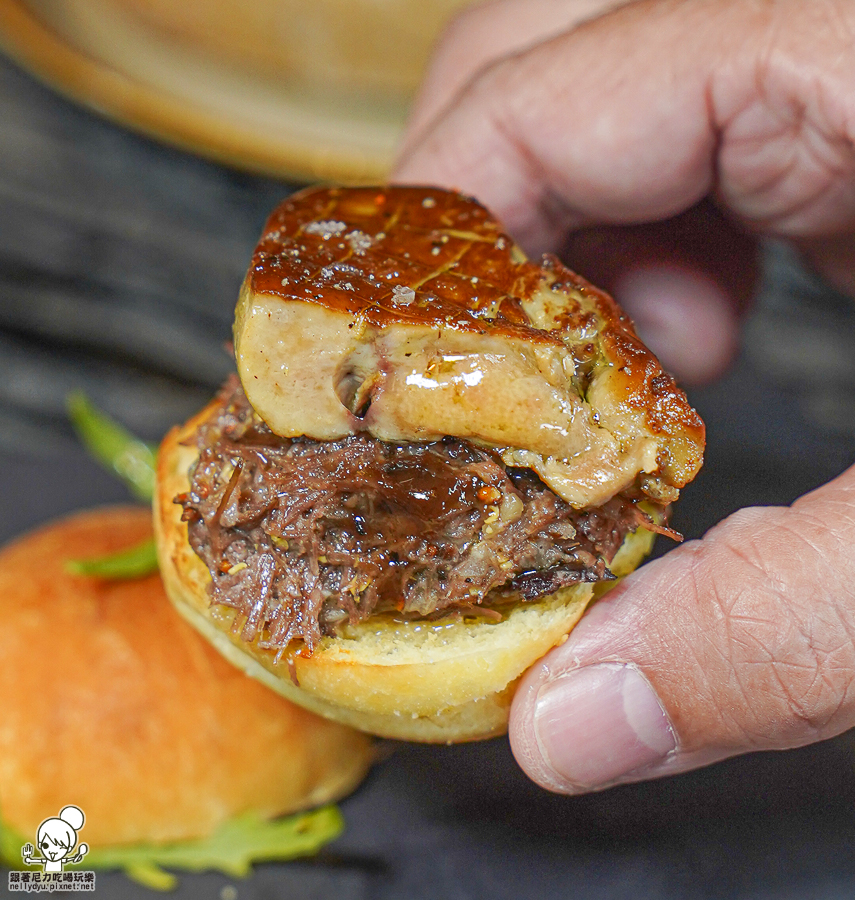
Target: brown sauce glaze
x=347, y=249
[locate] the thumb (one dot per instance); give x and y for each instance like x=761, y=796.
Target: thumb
x=744, y=640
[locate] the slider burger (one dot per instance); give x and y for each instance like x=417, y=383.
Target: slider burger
x=437, y=453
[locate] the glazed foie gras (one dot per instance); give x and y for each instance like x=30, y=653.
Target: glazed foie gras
x=407, y=314
x=437, y=454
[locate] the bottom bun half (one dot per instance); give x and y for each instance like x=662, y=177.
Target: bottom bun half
x=441, y=680
x=111, y=702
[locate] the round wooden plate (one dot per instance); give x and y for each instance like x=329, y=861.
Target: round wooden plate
x=239, y=110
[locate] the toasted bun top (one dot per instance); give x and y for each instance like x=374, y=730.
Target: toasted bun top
x=407, y=313
x=113, y=703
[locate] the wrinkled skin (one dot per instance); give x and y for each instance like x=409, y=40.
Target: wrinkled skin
x=719, y=118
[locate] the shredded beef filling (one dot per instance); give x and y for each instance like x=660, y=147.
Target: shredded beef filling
x=302, y=535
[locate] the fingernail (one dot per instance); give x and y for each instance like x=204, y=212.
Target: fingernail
x=597, y=723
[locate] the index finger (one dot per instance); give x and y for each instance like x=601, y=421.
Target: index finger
x=485, y=33
x=638, y=114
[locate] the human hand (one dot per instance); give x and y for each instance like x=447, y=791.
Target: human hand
x=742, y=117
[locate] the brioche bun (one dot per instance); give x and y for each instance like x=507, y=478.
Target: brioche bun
x=443, y=680
x=113, y=703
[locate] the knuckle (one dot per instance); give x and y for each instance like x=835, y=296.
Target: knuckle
x=785, y=624
x=466, y=24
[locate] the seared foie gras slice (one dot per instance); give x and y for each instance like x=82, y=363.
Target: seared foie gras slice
x=408, y=314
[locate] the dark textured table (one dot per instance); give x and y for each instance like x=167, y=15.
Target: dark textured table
x=120, y=262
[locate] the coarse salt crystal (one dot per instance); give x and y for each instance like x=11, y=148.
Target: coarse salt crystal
x=359, y=241
x=326, y=229
x=403, y=294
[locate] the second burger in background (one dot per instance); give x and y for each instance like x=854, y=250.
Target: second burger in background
x=112, y=702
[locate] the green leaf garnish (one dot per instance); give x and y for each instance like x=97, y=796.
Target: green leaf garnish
x=10, y=847
x=231, y=849
x=135, y=562
x=113, y=445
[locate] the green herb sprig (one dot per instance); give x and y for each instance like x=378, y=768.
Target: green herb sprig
x=134, y=461
x=114, y=446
